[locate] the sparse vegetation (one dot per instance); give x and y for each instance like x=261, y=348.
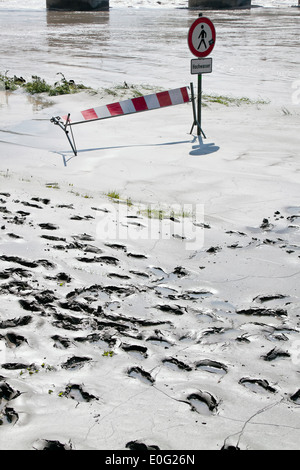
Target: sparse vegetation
x=52, y=185
x=78, y=194
x=63, y=87
x=33, y=369
x=230, y=101
x=11, y=83
x=132, y=90
x=5, y=174
x=39, y=85
x=113, y=194
x=108, y=354
x=160, y=214
x=153, y=213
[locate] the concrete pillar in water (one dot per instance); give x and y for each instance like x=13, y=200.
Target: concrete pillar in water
x=220, y=4
x=78, y=5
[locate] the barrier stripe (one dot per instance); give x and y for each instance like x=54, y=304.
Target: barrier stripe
x=127, y=107
x=140, y=104
x=152, y=101
x=89, y=114
x=135, y=105
x=164, y=99
x=115, y=109
x=185, y=94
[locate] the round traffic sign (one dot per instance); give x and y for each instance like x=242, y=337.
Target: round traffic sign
x=202, y=37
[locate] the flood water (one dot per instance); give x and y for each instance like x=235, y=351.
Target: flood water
x=256, y=52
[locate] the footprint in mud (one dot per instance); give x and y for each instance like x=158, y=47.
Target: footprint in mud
x=158, y=272
x=48, y=226
x=137, y=256
x=15, y=366
x=203, y=402
x=4, y=210
x=68, y=322
x=230, y=447
x=180, y=271
x=116, y=246
x=266, y=225
x=296, y=397
x=119, y=276
x=75, y=362
x=140, y=274
x=30, y=204
x=60, y=278
x=14, y=236
x=13, y=341
x=102, y=341
x=45, y=444
x=43, y=200
x=20, y=272
x=84, y=237
x=140, y=446
x=53, y=239
x=45, y=297
x=7, y=393
x=175, y=364
x=214, y=249
x=8, y=416
x=159, y=341
x=17, y=288
x=166, y=291
x=173, y=309
x=140, y=352
x=30, y=306
x=79, y=217
x=18, y=260
x=213, y=367
x=77, y=307
x=14, y=322
x=268, y=298
x=77, y=393
x=257, y=385
x=275, y=353
x=195, y=294
x=263, y=312
x=141, y=374
x=61, y=342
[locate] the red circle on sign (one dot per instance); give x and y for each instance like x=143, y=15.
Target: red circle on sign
x=212, y=41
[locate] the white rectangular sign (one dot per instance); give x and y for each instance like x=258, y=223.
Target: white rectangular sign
x=201, y=65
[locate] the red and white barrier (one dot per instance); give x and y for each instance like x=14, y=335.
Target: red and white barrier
x=130, y=106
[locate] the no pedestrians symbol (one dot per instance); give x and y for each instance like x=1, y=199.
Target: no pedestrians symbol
x=202, y=37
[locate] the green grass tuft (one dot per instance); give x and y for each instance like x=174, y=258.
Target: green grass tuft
x=39, y=85
x=113, y=194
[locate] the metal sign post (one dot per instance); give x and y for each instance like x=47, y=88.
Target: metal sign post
x=201, y=41
x=196, y=113
x=199, y=128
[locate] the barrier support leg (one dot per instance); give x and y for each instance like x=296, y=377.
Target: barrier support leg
x=196, y=121
x=57, y=121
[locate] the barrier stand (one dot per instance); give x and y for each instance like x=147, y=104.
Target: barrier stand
x=134, y=105
x=57, y=122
